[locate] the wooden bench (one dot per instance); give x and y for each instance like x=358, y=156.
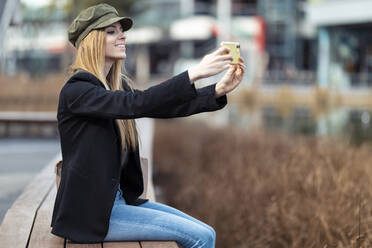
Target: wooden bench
x=28, y=117
x=27, y=223
x=28, y=121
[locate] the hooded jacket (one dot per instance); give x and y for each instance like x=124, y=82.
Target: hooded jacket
x=91, y=146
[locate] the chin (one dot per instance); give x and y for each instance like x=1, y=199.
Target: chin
x=118, y=57
x=122, y=56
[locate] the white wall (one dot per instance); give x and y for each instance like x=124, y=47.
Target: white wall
x=321, y=13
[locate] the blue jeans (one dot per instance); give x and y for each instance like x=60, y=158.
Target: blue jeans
x=156, y=221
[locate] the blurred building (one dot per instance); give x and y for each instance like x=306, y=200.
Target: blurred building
x=39, y=44
x=344, y=40
x=288, y=42
x=170, y=36
x=277, y=42
x=9, y=16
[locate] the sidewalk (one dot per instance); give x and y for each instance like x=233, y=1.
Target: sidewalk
x=21, y=160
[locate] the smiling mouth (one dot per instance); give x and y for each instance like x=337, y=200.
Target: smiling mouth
x=120, y=46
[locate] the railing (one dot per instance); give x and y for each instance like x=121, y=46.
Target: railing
x=17, y=123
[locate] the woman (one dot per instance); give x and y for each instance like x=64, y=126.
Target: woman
x=101, y=181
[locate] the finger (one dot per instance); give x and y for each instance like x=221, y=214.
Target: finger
x=231, y=68
x=242, y=65
x=222, y=67
x=241, y=59
x=223, y=64
x=222, y=50
x=225, y=57
x=242, y=70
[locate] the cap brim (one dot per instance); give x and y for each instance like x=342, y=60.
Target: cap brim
x=125, y=22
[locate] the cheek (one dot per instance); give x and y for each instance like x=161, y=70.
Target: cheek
x=109, y=45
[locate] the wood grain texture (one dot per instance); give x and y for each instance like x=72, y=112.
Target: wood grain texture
x=121, y=245
x=159, y=244
x=75, y=245
x=41, y=235
x=28, y=117
x=18, y=221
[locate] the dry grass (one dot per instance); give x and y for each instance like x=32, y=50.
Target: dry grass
x=24, y=93
x=261, y=190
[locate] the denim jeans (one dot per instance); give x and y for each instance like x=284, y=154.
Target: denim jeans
x=155, y=221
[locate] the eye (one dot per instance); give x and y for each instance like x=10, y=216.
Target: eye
x=110, y=32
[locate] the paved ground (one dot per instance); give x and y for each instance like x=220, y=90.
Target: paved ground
x=20, y=161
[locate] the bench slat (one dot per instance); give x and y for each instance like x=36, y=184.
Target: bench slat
x=159, y=244
x=28, y=117
x=74, y=245
x=18, y=221
x=41, y=235
x=121, y=245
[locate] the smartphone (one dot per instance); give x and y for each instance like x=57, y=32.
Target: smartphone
x=234, y=50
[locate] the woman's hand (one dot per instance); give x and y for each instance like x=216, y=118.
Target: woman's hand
x=231, y=79
x=211, y=64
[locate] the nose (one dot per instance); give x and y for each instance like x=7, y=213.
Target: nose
x=122, y=35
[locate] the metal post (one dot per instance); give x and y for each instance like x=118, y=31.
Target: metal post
x=187, y=10
x=224, y=20
x=323, y=58
x=142, y=64
x=7, y=13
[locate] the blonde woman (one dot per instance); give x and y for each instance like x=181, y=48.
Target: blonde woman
x=101, y=181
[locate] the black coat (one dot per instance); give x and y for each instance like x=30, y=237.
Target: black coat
x=90, y=144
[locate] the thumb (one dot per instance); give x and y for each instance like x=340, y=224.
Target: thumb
x=231, y=70
x=222, y=50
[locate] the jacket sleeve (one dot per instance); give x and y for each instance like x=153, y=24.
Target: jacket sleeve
x=205, y=101
x=85, y=98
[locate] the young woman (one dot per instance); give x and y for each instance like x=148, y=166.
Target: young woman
x=101, y=181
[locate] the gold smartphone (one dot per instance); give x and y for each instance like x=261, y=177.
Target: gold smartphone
x=234, y=50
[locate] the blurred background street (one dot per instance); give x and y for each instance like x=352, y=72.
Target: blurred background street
x=21, y=160
x=304, y=108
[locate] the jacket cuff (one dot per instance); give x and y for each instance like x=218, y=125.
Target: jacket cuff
x=190, y=86
x=213, y=102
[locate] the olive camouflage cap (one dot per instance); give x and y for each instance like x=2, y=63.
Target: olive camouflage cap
x=95, y=17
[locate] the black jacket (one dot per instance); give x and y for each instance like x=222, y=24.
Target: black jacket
x=90, y=144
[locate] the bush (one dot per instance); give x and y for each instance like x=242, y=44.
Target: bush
x=24, y=93
x=260, y=190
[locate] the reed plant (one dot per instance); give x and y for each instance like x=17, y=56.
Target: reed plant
x=25, y=93
x=267, y=190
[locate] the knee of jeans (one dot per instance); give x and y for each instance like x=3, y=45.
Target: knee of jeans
x=209, y=235
x=213, y=232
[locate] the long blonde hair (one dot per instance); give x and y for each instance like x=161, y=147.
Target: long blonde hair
x=90, y=57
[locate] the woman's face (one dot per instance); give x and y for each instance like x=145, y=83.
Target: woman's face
x=115, y=42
